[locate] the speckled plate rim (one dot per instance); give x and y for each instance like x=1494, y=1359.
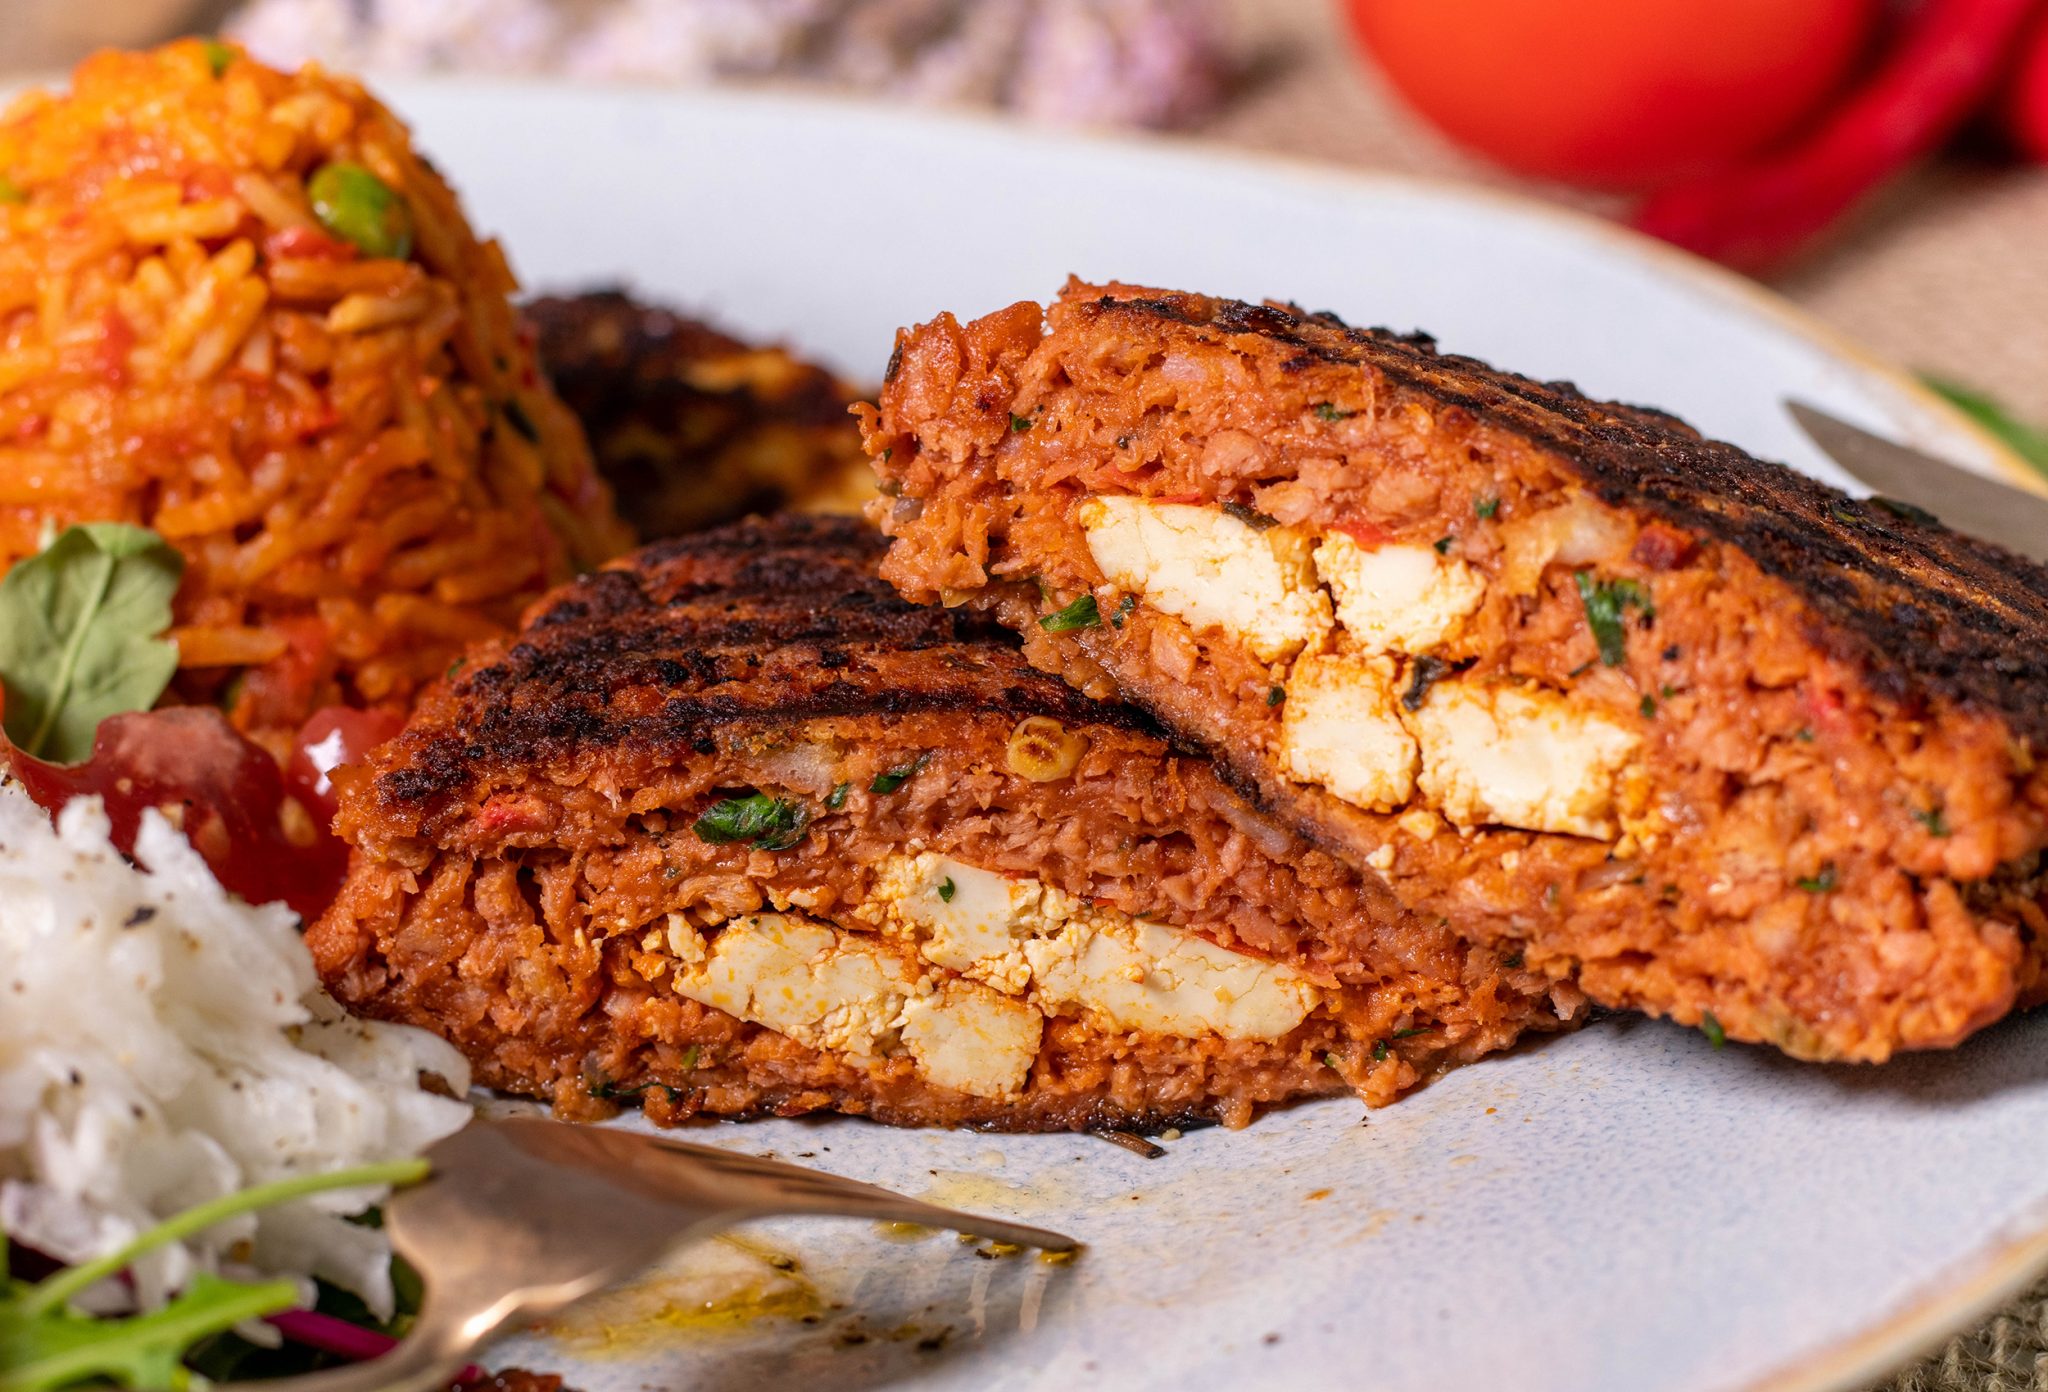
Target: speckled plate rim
x=1977, y=1291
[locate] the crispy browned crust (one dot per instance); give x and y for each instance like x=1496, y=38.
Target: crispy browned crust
x=1840, y=810
x=699, y=643
x=691, y=426
x=517, y=840
x=1927, y=613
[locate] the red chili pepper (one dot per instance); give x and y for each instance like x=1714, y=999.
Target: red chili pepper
x=2024, y=104
x=1934, y=77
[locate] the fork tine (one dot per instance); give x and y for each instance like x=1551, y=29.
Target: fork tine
x=793, y=1189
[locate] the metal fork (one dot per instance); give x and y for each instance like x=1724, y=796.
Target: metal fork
x=522, y=1217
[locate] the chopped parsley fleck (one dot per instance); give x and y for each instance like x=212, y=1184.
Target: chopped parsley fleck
x=1823, y=883
x=1933, y=820
x=516, y=416
x=770, y=823
x=896, y=777
x=836, y=799
x=1607, y=603
x=947, y=889
x=1485, y=508
x=1843, y=513
x=1124, y=607
x=1582, y=668
x=1412, y=1030
x=1513, y=961
x=689, y=1058
x=1803, y=735
x=1251, y=517
x=1275, y=695
x=1428, y=671
x=1443, y=544
x=1325, y=411
x=1667, y=691
x=1648, y=706
x=1711, y=1028
x=1330, y=1061
x=608, y=1091
x=1019, y=423
x=1906, y=510
x=1082, y=613
x=888, y=453
x=453, y=668
x=1379, y=1051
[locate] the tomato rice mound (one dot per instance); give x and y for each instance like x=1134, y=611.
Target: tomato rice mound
x=355, y=452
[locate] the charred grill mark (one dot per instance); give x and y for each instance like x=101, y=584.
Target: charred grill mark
x=1925, y=611
x=763, y=642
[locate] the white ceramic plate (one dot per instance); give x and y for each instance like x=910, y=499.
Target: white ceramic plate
x=1625, y=1208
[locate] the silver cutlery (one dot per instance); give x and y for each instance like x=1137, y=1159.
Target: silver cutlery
x=522, y=1217
x=1969, y=502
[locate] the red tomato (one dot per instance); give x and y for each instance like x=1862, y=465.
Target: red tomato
x=1615, y=93
x=332, y=737
x=2024, y=105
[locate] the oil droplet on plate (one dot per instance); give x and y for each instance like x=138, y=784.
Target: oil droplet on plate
x=725, y=1284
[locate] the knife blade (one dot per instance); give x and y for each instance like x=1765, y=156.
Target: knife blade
x=1968, y=502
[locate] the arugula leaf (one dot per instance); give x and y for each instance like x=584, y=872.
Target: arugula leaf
x=2029, y=442
x=81, y=625
x=45, y=1344
x=1607, y=603
x=59, y=1348
x=771, y=823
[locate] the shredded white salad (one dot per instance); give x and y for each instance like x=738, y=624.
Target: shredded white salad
x=162, y=1044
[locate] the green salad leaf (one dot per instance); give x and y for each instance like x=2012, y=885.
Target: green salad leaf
x=81, y=635
x=2029, y=442
x=46, y=1344
x=62, y=1348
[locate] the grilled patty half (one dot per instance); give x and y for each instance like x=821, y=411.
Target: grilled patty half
x=1710, y=738
x=692, y=427
x=731, y=829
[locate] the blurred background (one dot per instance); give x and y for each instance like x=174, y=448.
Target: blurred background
x=1878, y=161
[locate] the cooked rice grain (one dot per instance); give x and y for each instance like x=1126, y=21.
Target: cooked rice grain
x=357, y=456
